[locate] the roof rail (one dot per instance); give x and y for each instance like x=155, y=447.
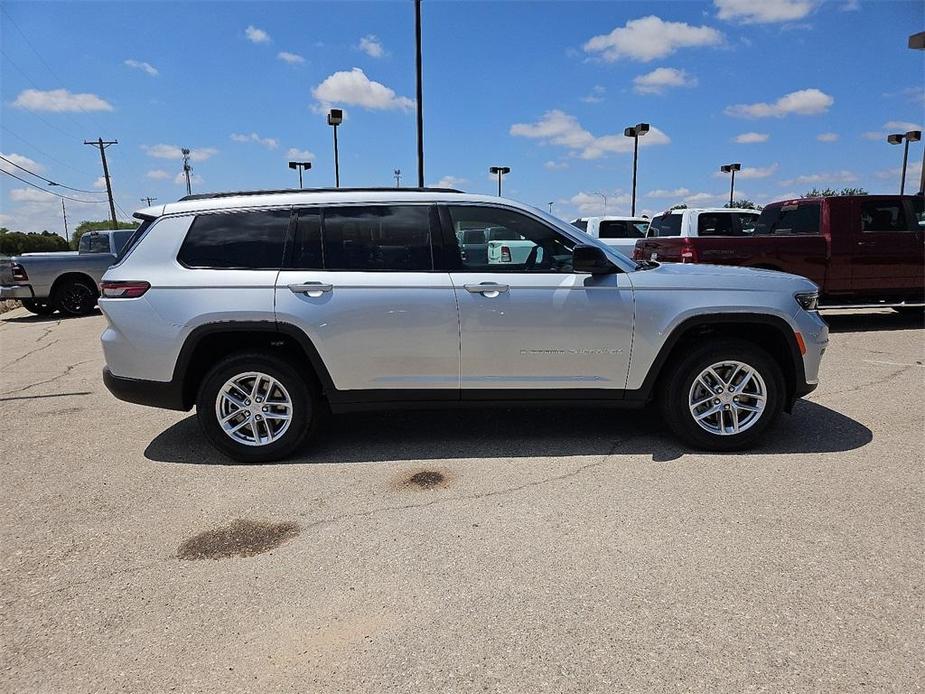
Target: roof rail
x=382, y=189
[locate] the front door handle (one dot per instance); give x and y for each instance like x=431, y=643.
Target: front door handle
x=489, y=289
x=867, y=243
x=313, y=289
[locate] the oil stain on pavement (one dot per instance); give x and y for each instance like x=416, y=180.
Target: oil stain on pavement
x=241, y=538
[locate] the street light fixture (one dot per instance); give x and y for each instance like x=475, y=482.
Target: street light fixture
x=335, y=118
x=731, y=168
x=550, y=203
x=635, y=132
x=895, y=139
x=499, y=171
x=301, y=166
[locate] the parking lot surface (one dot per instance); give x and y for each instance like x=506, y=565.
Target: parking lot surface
x=499, y=550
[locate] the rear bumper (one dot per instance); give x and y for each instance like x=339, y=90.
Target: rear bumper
x=164, y=394
x=16, y=291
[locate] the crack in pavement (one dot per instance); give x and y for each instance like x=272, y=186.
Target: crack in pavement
x=30, y=353
x=862, y=386
x=48, y=331
x=67, y=370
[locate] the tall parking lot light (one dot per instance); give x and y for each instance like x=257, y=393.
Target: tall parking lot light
x=499, y=171
x=301, y=166
x=335, y=118
x=911, y=136
x=635, y=132
x=731, y=168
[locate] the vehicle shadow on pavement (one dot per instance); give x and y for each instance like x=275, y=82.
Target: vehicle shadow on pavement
x=515, y=433
x=53, y=318
x=871, y=322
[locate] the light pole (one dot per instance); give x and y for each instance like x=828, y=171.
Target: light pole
x=335, y=118
x=187, y=169
x=419, y=101
x=911, y=136
x=635, y=132
x=550, y=203
x=397, y=174
x=301, y=166
x=499, y=171
x=604, y=196
x=731, y=168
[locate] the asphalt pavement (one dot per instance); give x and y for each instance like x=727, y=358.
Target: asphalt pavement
x=496, y=550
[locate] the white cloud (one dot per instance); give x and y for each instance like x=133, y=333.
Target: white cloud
x=843, y=176
x=299, y=154
x=291, y=58
x=371, y=46
x=913, y=173
x=59, y=100
x=449, y=182
x=255, y=35
x=662, y=193
x=763, y=11
x=649, y=38
x=100, y=183
x=144, y=67
x=157, y=175
x=756, y=171
x=268, y=142
x=354, y=88
x=555, y=165
x=705, y=199
x=560, y=128
x=593, y=203
x=195, y=179
x=827, y=137
x=891, y=127
x=162, y=151
x=662, y=78
x=30, y=195
x=596, y=96
x=22, y=160
x=805, y=102
x=751, y=138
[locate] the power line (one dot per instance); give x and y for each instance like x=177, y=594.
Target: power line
x=43, y=152
x=48, y=180
x=58, y=195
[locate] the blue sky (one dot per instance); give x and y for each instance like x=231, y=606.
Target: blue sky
x=811, y=88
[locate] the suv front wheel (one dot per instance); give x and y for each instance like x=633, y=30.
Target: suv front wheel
x=256, y=408
x=723, y=396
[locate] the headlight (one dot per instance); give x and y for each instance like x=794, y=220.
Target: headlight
x=808, y=301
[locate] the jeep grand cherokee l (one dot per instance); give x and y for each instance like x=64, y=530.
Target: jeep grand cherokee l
x=264, y=310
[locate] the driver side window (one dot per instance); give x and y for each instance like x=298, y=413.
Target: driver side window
x=492, y=239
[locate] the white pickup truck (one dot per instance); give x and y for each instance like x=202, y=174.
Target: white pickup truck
x=618, y=232
x=66, y=281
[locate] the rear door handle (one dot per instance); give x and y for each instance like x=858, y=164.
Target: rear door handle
x=314, y=289
x=866, y=243
x=489, y=289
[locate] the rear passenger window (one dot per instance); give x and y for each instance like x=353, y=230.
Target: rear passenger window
x=393, y=237
x=785, y=220
x=622, y=230
x=715, y=224
x=665, y=225
x=242, y=240
x=883, y=216
x=306, y=246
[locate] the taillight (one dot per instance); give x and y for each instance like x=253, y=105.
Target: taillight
x=19, y=273
x=637, y=253
x=688, y=252
x=123, y=290
x=505, y=254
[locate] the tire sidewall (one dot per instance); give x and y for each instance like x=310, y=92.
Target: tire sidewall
x=85, y=308
x=304, y=407
x=676, y=403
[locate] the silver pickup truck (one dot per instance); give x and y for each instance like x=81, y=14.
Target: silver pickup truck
x=66, y=281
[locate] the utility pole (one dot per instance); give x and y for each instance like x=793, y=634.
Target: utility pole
x=420, y=91
x=147, y=199
x=397, y=174
x=67, y=234
x=187, y=169
x=550, y=206
x=102, y=146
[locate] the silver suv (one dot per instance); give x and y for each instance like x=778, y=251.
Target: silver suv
x=266, y=310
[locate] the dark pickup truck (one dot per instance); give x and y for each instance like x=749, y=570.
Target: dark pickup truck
x=862, y=250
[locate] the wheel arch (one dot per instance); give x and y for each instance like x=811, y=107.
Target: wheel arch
x=73, y=276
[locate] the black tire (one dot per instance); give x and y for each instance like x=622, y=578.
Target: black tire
x=306, y=407
x=679, y=380
x=75, y=297
x=39, y=308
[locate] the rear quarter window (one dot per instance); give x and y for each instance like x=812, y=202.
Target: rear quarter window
x=665, y=225
x=240, y=240
x=618, y=229
x=788, y=220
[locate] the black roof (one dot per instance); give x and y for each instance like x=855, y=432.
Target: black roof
x=383, y=189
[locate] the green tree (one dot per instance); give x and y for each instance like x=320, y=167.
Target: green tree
x=17, y=242
x=679, y=206
x=832, y=193
x=744, y=205
x=105, y=225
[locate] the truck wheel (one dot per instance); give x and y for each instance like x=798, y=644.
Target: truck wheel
x=74, y=297
x=723, y=396
x=39, y=308
x=256, y=408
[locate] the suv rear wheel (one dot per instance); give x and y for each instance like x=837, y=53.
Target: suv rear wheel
x=723, y=396
x=256, y=408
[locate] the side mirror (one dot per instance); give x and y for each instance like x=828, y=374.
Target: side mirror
x=591, y=260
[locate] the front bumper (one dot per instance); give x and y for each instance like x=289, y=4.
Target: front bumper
x=164, y=394
x=16, y=291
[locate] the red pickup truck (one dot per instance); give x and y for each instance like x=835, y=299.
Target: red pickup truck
x=861, y=249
